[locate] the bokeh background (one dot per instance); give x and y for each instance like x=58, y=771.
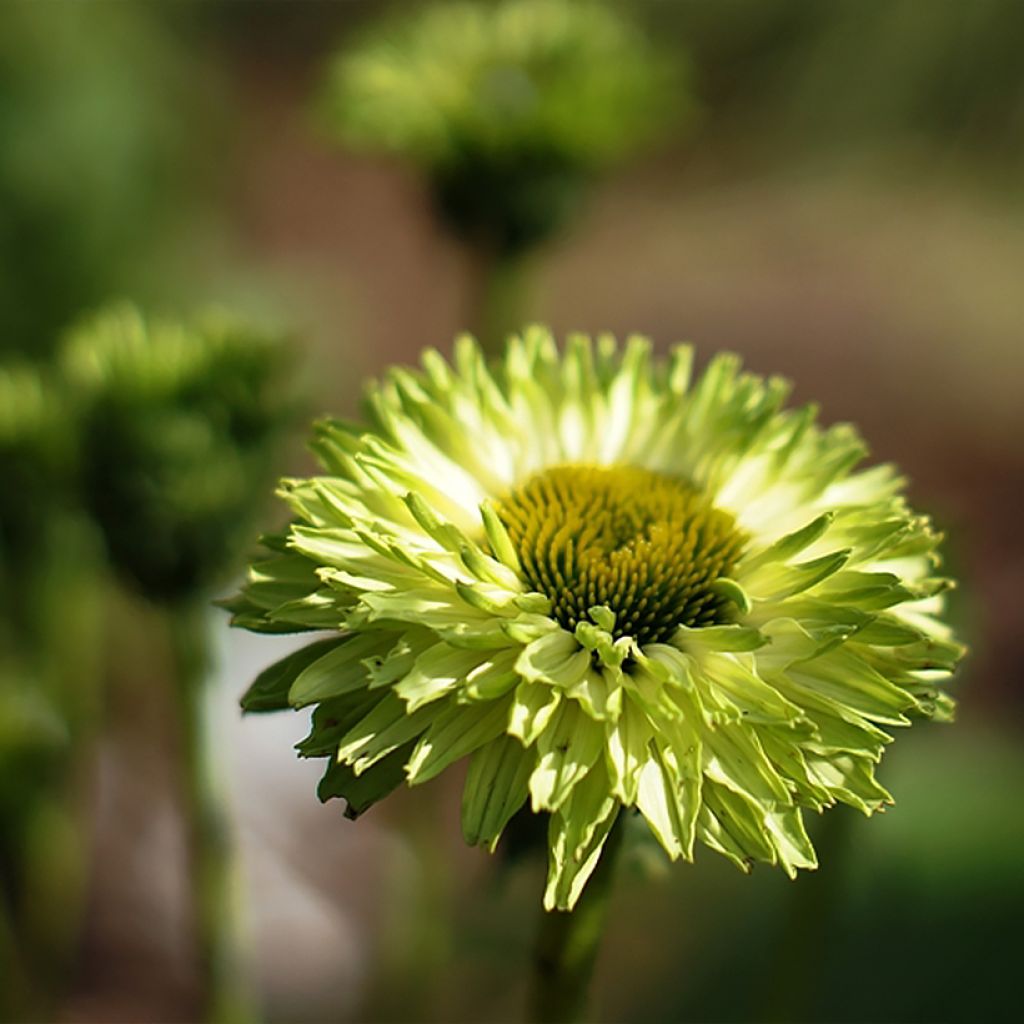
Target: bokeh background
x=844, y=206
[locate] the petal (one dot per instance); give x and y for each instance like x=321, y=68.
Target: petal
x=662, y=803
x=533, y=706
x=342, y=669
x=457, y=731
x=387, y=727
x=556, y=658
x=627, y=751
x=576, y=834
x=435, y=673
x=497, y=785
x=568, y=748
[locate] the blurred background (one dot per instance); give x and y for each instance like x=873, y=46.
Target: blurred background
x=838, y=196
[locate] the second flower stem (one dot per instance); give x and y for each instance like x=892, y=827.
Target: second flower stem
x=212, y=868
x=498, y=283
x=568, y=943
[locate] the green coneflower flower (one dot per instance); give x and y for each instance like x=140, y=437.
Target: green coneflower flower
x=609, y=586
x=508, y=107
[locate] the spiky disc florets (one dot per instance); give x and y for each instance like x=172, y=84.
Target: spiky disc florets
x=646, y=546
x=608, y=586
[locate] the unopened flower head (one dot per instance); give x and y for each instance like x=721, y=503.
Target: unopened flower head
x=507, y=106
x=610, y=586
x=180, y=426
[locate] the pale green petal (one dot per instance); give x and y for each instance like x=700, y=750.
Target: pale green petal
x=533, y=707
x=662, y=803
x=435, y=673
x=340, y=670
x=627, y=751
x=576, y=834
x=756, y=700
x=566, y=749
x=599, y=694
x=333, y=718
x=456, y=732
x=792, y=544
x=843, y=677
x=734, y=759
x=387, y=727
x=718, y=638
x=269, y=691
x=775, y=581
x=851, y=780
x=492, y=677
x=497, y=785
x=787, y=834
x=731, y=824
x=360, y=792
x=556, y=659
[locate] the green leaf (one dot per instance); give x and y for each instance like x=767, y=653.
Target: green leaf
x=269, y=691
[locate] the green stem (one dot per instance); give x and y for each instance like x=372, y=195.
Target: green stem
x=224, y=992
x=568, y=942
x=17, y=1000
x=497, y=295
x=799, y=959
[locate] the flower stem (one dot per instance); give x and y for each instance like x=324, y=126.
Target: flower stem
x=223, y=990
x=568, y=942
x=497, y=294
x=802, y=949
x=17, y=999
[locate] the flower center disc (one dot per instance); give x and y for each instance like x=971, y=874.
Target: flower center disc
x=645, y=545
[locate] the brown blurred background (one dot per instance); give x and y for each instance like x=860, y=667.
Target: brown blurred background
x=847, y=212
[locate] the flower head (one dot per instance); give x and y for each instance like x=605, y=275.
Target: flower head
x=180, y=426
x=609, y=586
x=507, y=106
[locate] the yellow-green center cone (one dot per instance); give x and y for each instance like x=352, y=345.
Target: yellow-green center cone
x=644, y=545
x=608, y=584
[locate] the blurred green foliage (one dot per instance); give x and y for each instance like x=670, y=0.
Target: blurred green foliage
x=152, y=443
x=36, y=452
x=794, y=76
x=97, y=157
x=50, y=578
